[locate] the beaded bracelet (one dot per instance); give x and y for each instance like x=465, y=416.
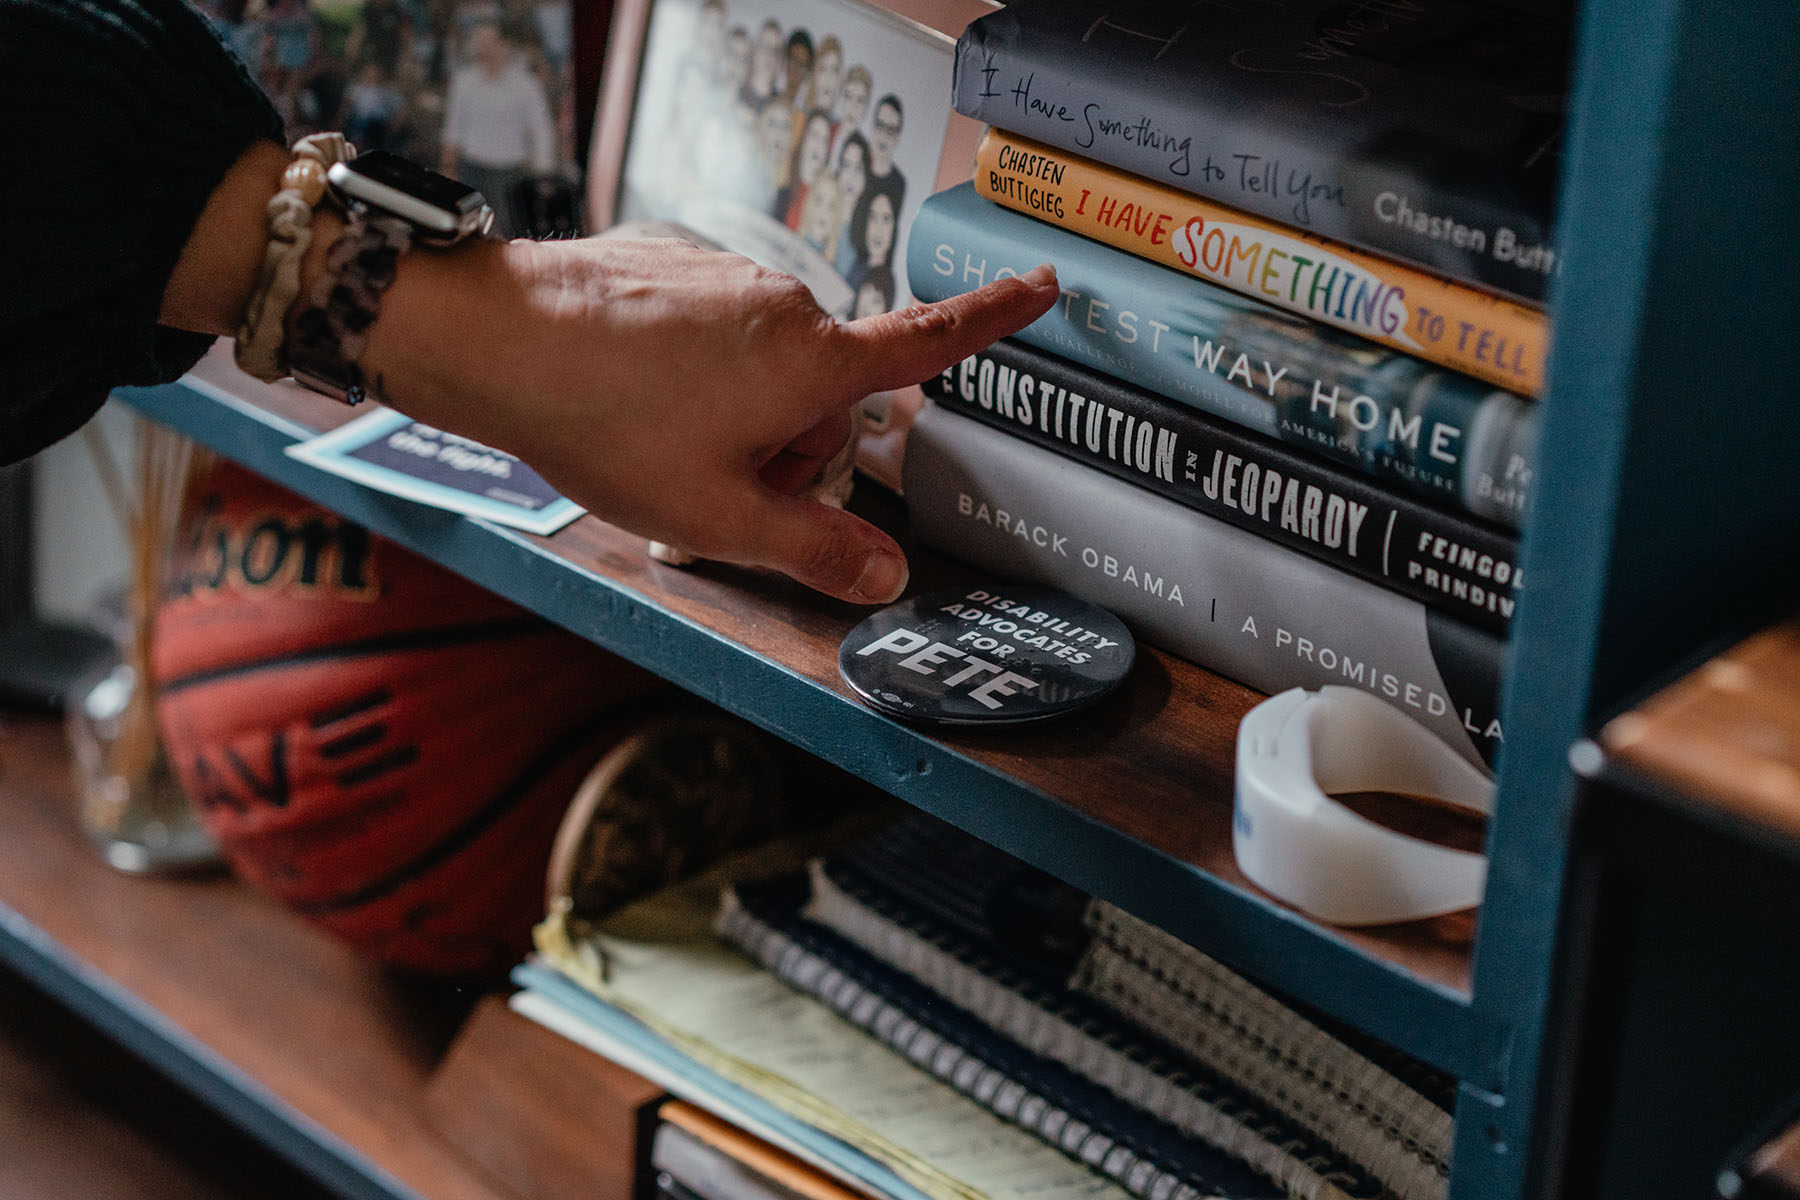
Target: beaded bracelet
x=261, y=333
x=328, y=330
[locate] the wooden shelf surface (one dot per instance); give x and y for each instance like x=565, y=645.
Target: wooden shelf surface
x=320, y=1055
x=1726, y=735
x=1130, y=801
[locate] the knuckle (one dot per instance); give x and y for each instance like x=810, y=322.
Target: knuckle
x=772, y=284
x=930, y=320
x=833, y=560
x=788, y=292
x=782, y=304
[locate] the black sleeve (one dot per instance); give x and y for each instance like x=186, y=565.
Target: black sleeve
x=121, y=116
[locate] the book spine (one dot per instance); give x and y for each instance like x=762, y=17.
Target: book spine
x=1442, y=558
x=1399, y=306
x=1188, y=122
x=1199, y=588
x=915, y=1037
x=1394, y=417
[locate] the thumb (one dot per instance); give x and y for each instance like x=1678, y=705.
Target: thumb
x=826, y=548
x=898, y=349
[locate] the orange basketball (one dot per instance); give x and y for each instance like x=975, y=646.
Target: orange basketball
x=378, y=743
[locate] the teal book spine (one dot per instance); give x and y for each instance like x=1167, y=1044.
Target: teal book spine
x=1394, y=417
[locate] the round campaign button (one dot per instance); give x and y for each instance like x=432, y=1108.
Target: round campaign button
x=989, y=655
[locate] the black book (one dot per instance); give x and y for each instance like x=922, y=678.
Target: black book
x=1426, y=130
x=1447, y=559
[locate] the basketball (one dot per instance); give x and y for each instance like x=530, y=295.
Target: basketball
x=381, y=745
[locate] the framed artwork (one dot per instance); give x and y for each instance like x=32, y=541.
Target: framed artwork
x=803, y=134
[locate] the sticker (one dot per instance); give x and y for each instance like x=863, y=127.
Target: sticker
x=986, y=656
x=393, y=453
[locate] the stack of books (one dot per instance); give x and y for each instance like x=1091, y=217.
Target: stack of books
x=1283, y=418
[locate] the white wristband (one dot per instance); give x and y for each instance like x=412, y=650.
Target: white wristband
x=1295, y=841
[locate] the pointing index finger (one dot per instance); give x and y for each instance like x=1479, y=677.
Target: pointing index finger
x=898, y=349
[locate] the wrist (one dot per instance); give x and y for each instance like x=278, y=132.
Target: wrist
x=436, y=339
x=320, y=290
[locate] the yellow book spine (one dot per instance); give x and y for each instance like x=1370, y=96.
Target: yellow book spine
x=1413, y=311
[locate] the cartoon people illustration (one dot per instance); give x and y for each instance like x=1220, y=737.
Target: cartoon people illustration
x=784, y=120
x=884, y=139
x=811, y=153
x=709, y=40
x=852, y=104
x=876, y=295
x=872, y=231
x=734, y=63
x=765, y=66
x=819, y=219
x=827, y=77
x=774, y=153
x=852, y=181
x=799, y=63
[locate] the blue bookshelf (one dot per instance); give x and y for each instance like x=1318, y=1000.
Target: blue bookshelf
x=1667, y=516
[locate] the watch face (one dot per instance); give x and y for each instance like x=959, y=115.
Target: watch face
x=390, y=170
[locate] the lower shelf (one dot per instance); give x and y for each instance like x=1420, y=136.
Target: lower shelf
x=318, y=1054
x=1131, y=802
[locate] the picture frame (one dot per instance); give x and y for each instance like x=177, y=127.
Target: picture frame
x=651, y=115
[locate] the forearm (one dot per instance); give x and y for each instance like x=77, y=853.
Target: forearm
x=683, y=394
x=125, y=115
x=219, y=262
x=450, y=329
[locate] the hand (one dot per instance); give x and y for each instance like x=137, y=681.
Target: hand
x=679, y=393
x=682, y=394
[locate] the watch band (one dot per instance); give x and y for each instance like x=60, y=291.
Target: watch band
x=259, y=345
x=327, y=329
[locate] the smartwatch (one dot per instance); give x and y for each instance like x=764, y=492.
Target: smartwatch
x=391, y=205
x=440, y=210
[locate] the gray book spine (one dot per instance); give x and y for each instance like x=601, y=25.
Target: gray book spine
x=1221, y=597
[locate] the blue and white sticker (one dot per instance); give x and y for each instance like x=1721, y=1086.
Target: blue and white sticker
x=393, y=453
